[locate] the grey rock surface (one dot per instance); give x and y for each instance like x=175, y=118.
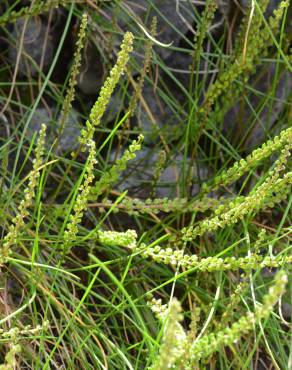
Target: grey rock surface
x=37, y=47
x=40, y=116
x=69, y=138
x=138, y=177
x=224, y=6
x=157, y=114
x=286, y=311
x=91, y=71
x=254, y=119
x=269, y=117
x=174, y=19
x=273, y=4
x=179, y=64
x=116, y=104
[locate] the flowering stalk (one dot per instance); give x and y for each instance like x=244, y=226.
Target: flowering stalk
x=211, y=343
x=251, y=161
x=29, y=193
x=138, y=206
x=82, y=199
x=13, y=335
x=107, y=89
x=242, y=206
x=67, y=105
x=174, y=338
x=178, y=258
x=126, y=239
x=111, y=176
x=178, y=349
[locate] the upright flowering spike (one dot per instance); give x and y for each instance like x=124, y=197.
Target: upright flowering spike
x=107, y=89
x=138, y=87
x=82, y=198
x=174, y=338
x=111, y=176
x=211, y=343
x=74, y=73
x=29, y=194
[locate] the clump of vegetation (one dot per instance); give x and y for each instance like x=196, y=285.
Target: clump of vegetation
x=94, y=277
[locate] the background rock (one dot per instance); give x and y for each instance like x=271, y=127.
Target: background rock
x=68, y=141
x=252, y=120
x=273, y=4
x=40, y=116
x=33, y=45
x=138, y=177
x=160, y=114
x=174, y=19
x=91, y=71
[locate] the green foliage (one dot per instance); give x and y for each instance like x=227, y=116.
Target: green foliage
x=253, y=42
x=208, y=344
x=13, y=336
x=64, y=253
x=36, y=8
x=176, y=352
